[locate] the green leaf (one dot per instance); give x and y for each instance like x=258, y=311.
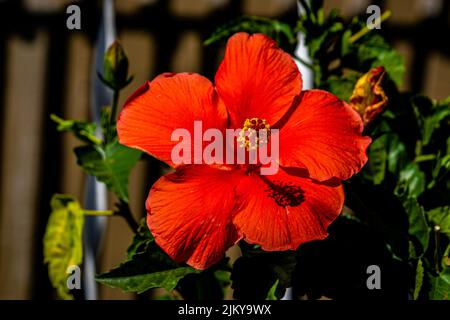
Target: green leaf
x=110, y=164
x=440, y=286
x=279, y=31
x=441, y=217
x=138, y=275
x=412, y=180
x=146, y=267
x=430, y=115
x=320, y=43
x=441, y=168
x=377, y=160
x=419, y=279
x=444, y=163
x=63, y=241
x=374, y=51
x=433, y=122
x=141, y=240
x=342, y=86
x=446, y=258
x=271, y=295
x=418, y=226
x=397, y=155
x=223, y=277
x=440, y=112
x=346, y=46
x=84, y=131
x=387, y=153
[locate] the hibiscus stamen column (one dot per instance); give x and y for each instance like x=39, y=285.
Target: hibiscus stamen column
x=255, y=132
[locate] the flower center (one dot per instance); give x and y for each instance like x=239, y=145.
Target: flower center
x=254, y=133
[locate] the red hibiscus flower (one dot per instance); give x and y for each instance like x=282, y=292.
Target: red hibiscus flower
x=197, y=212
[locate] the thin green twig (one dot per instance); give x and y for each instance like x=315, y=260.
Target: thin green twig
x=361, y=33
x=98, y=212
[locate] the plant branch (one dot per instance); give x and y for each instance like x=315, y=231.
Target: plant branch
x=112, y=119
x=98, y=212
x=124, y=211
x=115, y=102
x=361, y=33
x=437, y=230
x=425, y=157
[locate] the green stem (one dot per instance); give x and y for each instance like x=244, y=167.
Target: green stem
x=114, y=104
x=361, y=33
x=98, y=212
x=112, y=119
x=425, y=157
x=418, y=150
x=125, y=212
x=437, y=230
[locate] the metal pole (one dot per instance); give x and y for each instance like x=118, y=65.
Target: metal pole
x=96, y=193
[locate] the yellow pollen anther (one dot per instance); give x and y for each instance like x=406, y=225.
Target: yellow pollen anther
x=254, y=133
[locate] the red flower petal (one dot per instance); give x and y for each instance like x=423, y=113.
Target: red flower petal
x=190, y=212
x=323, y=135
x=169, y=102
x=280, y=212
x=256, y=79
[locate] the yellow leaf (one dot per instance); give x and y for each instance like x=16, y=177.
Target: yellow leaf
x=63, y=245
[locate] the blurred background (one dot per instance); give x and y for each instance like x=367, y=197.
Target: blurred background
x=46, y=68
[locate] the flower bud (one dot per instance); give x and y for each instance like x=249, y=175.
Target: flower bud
x=115, y=66
x=369, y=98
